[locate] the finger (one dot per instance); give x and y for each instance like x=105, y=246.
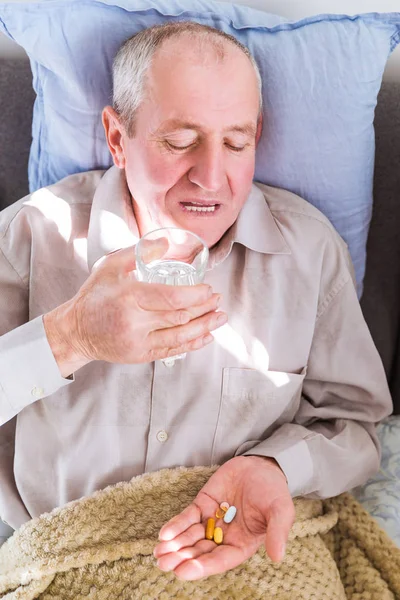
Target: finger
x=157, y=296
x=181, y=335
x=178, y=524
x=221, y=559
x=163, y=319
x=153, y=249
x=197, y=344
x=189, y=537
x=281, y=518
x=169, y=562
x=122, y=259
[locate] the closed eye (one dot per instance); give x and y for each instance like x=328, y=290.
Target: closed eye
x=178, y=148
x=173, y=147
x=236, y=148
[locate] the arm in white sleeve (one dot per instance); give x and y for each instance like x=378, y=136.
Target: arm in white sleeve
x=28, y=370
x=331, y=445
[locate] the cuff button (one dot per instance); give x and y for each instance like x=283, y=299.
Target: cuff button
x=37, y=392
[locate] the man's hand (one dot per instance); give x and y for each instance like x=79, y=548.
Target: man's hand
x=116, y=318
x=265, y=513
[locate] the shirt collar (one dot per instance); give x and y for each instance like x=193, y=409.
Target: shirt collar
x=255, y=228
x=113, y=225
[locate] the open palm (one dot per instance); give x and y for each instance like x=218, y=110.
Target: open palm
x=265, y=513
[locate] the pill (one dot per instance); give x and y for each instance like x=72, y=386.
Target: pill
x=224, y=506
x=220, y=513
x=210, y=529
x=230, y=514
x=218, y=535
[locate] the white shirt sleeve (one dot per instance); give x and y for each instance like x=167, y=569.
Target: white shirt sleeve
x=331, y=446
x=28, y=369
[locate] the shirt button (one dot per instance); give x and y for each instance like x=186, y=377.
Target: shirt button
x=162, y=436
x=169, y=362
x=37, y=392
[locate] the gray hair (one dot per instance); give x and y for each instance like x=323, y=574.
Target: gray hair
x=135, y=56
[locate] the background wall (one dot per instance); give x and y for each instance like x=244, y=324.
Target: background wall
x=291, y=9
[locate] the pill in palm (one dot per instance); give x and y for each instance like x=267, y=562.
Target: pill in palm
x=210, y=529
x=230, y=514
x=218, y=535
x=220, y=513
x=224, y=506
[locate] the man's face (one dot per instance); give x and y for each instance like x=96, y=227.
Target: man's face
x=191, y=161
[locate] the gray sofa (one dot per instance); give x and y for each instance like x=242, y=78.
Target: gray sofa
x=381, y=298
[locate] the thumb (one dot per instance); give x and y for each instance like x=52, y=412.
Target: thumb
x=148, y=249
x=281, y=518
x=122, y=259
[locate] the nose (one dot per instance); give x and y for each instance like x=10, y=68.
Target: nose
x=208, y=170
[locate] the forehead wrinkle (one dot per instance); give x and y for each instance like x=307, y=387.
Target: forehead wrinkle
x=248, y=129
x=176, y=124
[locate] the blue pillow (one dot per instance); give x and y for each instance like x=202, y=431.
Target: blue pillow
x=321, y=77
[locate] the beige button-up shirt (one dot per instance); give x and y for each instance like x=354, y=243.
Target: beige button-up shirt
x=293, y=375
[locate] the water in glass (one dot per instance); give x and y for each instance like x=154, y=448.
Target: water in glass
x=171, y=272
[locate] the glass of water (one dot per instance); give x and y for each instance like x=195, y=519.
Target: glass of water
x=171, y=256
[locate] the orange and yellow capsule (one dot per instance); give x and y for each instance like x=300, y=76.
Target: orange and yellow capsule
x=210, y=529
x=221, y=510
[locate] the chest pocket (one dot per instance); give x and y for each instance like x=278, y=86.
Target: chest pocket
x=252, y=406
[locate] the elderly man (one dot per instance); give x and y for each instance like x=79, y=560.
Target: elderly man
x=287, y=396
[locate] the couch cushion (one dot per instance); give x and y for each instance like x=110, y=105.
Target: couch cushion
x=16, y=101
x=381, y=298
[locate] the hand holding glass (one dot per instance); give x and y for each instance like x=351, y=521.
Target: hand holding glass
x=171, y=256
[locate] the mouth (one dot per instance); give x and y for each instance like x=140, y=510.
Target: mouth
x=200, y=208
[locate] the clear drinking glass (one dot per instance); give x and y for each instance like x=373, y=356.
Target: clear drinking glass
x=171, y=256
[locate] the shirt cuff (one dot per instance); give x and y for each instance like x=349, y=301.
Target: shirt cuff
x=28, y=369
x=294, y=460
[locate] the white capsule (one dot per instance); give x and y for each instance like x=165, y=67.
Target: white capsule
x=230, y=514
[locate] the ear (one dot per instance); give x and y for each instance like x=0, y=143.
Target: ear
x=259, y=128
x=114, y=131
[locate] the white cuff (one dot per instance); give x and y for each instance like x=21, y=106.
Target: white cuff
x=28, y=369
x=294, y=460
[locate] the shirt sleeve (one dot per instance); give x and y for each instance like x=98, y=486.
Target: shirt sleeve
x=331, y=445
x=28, y=369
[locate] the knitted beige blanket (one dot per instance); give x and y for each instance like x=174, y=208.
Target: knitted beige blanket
x=100, y=547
